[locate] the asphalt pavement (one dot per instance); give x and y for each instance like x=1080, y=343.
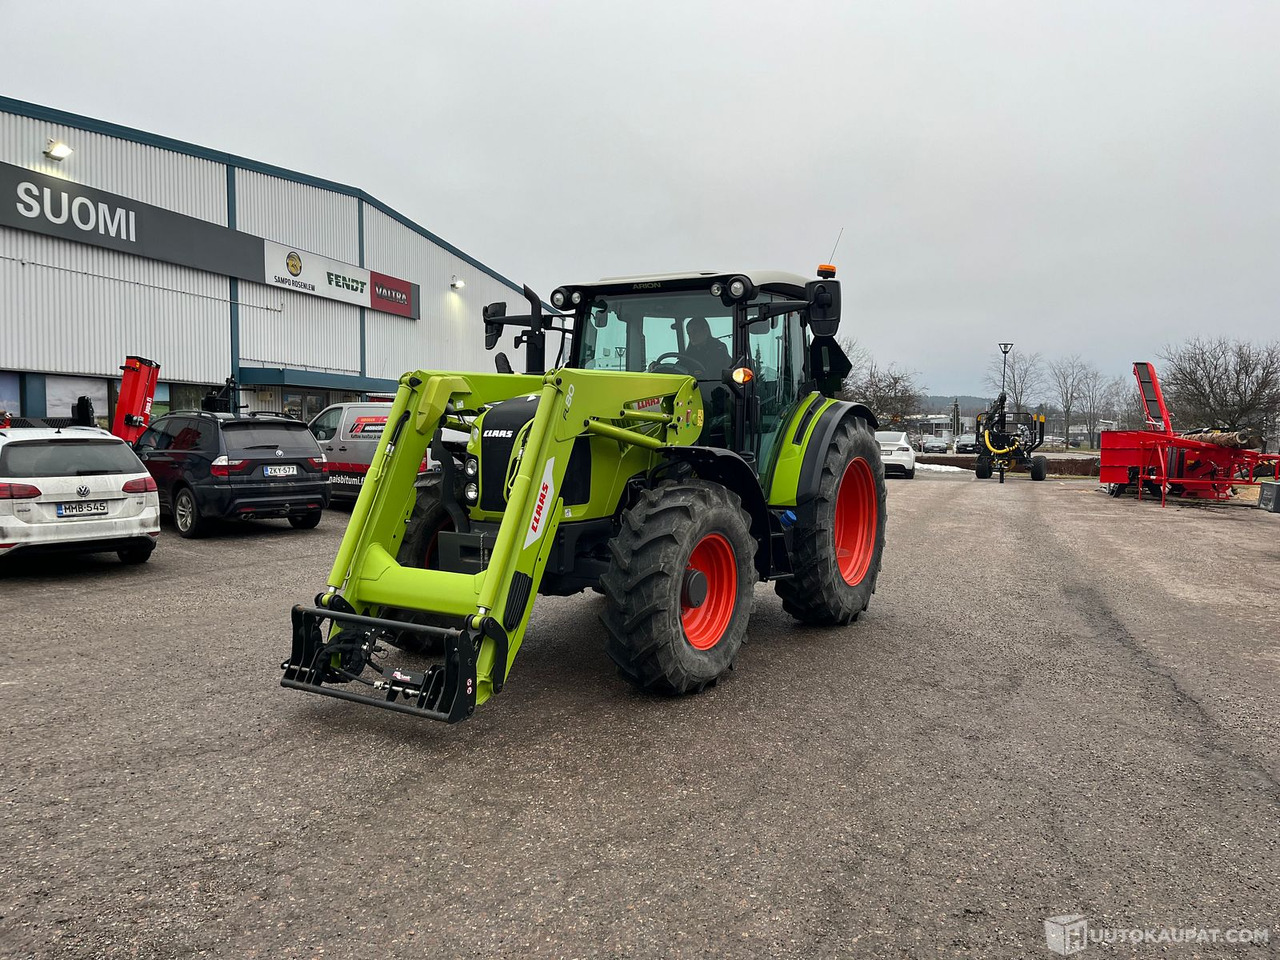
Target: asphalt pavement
x=1058, y=703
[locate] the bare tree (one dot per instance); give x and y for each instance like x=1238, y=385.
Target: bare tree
x=1066, y=377
x=891, y=392
x=1096, y=400
x=1022, y=378
x=1222, y=383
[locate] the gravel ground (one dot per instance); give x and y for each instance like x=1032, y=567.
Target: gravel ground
x=1057, y=703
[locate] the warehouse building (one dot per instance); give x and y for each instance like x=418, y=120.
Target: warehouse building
x=116, y=242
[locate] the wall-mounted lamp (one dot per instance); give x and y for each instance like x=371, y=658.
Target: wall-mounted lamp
x=57, y=150
x=456, y=283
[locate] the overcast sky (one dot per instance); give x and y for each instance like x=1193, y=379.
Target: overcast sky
x=1099, y=177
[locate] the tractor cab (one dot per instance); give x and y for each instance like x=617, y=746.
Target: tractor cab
x=756, y=343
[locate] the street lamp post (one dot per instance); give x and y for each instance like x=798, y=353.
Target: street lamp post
x=1004, y=364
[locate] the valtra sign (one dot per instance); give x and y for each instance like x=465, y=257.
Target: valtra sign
x=59, y=208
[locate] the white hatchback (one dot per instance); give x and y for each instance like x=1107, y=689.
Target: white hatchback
x=77, y=489
x=896, y=452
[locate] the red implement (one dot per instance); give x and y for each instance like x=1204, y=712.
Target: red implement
x=1162, y=463
x=137, y=390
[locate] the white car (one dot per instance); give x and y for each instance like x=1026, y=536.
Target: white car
x=76, y=489
x=896, y=453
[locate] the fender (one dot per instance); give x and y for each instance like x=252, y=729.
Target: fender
x=732, y=472
x=820, y=440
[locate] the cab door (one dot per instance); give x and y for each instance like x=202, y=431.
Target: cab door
x=777, y=355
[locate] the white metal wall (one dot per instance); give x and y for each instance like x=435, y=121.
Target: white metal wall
x=279, y=328
x=174, y=181
x=450, y=333
x=302, y=216
x=76, y=309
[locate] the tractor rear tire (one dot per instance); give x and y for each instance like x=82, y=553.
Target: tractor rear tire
x=419, y=549
x=679, y=589
x=982, y=469
x=839, y=537
x=1039, y=468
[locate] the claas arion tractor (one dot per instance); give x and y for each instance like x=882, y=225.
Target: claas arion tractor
x=685, y=446
x=1006, y=441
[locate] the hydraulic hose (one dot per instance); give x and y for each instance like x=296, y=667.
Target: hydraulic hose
x=986, y=438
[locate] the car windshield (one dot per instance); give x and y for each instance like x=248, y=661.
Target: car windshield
x=632, y=332
x=256, y=438
x=67, y=458
x=885, y=437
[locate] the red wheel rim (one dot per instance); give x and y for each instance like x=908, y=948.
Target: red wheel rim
x=855, y=527
x=704, y=625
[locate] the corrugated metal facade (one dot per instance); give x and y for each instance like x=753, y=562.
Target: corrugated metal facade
x=450, y=333
x=298, y=215
x=189, y=185
x=68, y=308
x=71, y=308
x=283, y=329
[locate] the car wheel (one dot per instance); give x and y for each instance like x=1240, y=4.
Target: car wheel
x=134, y=555
x=910, y=474
x=305, y=521
x=186, y=514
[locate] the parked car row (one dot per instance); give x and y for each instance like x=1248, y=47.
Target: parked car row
x=83, y=489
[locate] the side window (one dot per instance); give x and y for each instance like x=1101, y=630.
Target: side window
x=185, y=434
x=154, y=438
x=325, y=426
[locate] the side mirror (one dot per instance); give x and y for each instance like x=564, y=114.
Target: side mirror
x=492, y=330
x=824, y=306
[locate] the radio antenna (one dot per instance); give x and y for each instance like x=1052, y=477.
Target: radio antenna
x=832, y=258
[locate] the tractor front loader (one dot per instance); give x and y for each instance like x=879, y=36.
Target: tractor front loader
x=686, y=449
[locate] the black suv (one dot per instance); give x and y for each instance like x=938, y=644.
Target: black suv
x=210, y=465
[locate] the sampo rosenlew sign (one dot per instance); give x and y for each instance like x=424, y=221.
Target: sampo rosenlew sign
x=58, y=208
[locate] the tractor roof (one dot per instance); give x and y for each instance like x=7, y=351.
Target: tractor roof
x=791, y=283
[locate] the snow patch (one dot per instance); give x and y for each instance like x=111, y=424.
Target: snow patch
x=940, y=468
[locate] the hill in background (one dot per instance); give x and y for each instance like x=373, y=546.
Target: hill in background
x=942, y=404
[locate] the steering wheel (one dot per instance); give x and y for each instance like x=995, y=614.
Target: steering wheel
x=684, y=363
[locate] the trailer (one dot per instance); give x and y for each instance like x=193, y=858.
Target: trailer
x=1163, y=463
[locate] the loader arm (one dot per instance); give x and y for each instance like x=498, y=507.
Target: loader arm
x=491, y=608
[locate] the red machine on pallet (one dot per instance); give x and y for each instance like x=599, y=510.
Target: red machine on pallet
x=1163, y=463
x=137, y=390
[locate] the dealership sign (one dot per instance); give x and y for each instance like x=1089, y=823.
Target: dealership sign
x=59, y=208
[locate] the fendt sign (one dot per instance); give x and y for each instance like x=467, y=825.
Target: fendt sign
x=43, y=204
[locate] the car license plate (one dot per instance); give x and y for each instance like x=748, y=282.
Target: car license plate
x=284, y=470
x=886, y=449
x=82, y=508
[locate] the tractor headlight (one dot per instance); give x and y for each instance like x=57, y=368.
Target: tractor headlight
x=558, y=299
x=471, y=492
x=737, y=288
x=471, y=467
x=717, y=289
x=577, y=297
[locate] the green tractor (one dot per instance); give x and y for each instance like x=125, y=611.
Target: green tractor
x=685, y=446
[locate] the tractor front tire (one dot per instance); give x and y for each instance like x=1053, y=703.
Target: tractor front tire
x=839, y=537
x=1039, y=468
x=678, y=591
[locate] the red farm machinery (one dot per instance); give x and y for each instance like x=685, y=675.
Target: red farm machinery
x=1204, y=464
